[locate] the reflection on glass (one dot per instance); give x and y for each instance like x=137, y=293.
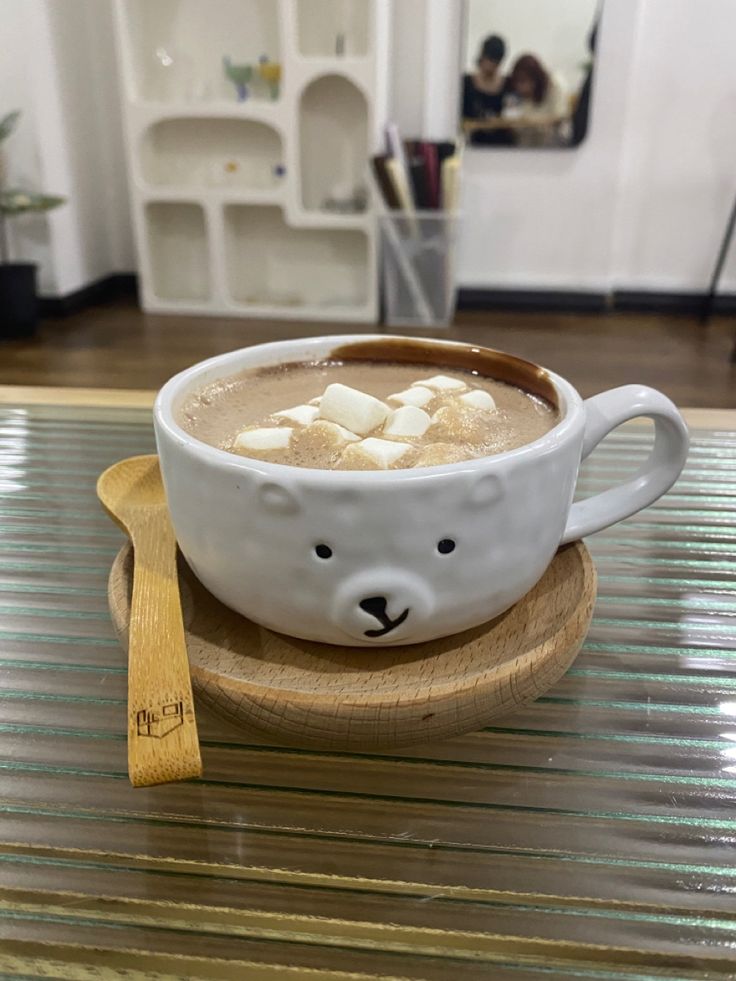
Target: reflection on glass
x=528, y=72
x=14, y=452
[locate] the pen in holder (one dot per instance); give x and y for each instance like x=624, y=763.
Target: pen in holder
x=418, y=245
x=418, y=256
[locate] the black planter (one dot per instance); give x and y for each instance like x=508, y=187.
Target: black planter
x=18, y=300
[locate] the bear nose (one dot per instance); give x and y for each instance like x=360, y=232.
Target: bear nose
x=375, y=605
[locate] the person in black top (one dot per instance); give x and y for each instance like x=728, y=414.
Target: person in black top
x=581, y=114
x=484, y=91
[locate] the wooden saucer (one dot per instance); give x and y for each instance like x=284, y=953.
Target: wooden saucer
x=313, y=694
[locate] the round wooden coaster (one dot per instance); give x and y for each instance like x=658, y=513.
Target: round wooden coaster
x=313, y=694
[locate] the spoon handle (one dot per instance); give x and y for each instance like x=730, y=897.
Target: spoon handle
x=162, y=730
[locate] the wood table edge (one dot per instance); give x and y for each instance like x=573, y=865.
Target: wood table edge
x=97, y=398
x=723, y=419
x=129, y=398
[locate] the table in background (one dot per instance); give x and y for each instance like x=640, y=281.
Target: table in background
x=588, y=835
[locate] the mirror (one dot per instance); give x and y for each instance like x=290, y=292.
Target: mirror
x=527, y=72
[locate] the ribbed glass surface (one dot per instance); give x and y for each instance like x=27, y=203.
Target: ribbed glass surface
x=590, y=835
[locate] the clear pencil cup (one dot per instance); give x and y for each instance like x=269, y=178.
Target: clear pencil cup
x=418, y=263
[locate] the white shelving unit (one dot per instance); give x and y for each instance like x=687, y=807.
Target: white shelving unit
x=200, y=152
x=328, y=26
x=229, y=197
x=177, y=242
x=333, y=115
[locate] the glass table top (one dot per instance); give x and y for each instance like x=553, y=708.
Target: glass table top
x=589, y=835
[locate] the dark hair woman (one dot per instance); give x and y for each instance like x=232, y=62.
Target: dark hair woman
x=484, y=89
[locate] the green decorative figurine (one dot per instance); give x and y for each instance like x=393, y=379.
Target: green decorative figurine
x=239, y=75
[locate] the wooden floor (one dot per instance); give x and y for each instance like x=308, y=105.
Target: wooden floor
x=119, y=347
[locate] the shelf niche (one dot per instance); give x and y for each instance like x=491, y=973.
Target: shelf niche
x=272, y=264
x=177, y=245
x=193, y=152
x=334, y=27
x=333, y=122
x=178, y=45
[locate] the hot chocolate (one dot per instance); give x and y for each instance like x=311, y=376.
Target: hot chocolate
x=365, y=415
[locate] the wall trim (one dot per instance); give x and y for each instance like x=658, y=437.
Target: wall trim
x=567, y=301
x=113, y=287
x=125, y=285
x=581, y=301
x=656, y=301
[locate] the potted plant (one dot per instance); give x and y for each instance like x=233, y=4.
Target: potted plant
x=18, y=301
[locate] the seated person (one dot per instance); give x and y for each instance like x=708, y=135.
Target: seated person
x=537, y=98
x=484, y=91
x=582, y=106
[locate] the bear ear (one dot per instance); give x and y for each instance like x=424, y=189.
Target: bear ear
x=486, y=490
x=278, y=499
x=347, y=506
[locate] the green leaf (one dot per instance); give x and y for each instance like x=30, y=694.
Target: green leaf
x=8, y=124
x=19, y=202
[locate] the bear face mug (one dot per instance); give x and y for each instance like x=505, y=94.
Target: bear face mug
x=352, y=557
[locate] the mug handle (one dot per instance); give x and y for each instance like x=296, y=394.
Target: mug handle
x=660, y=470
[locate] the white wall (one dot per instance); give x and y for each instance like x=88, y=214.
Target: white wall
x=678, y=162
x=557, y=33
x=83, y=39
x=424, y=91
x=643, y=202
x=407, y=71
x=545, y=218
x=58, y=67
x=29, y=238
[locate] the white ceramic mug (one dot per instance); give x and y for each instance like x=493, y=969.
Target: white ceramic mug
x=250, y=530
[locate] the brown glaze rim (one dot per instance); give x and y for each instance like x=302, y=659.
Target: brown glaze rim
x=453, y=354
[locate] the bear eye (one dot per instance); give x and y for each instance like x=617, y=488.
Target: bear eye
x=445, y=546
x=323, y=551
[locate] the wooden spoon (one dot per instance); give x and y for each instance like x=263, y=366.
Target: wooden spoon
x=162, y=729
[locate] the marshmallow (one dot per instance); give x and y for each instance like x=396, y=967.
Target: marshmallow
x=320, y=444
x=271, y=438
x=442, y=383
x=457, y=423
x=407, y=421
x=331, y=432
x=373, y=454
x=301, y=414
x=416, y=395
x=358, y=412
x=478, y=399
x=316, y=400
